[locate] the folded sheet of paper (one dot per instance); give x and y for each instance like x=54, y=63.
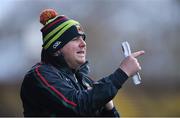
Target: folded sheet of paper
x=127, y=51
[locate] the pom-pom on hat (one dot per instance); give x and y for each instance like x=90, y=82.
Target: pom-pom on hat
x=58, y=30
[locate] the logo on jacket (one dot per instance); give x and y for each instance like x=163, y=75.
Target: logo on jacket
x=87, y=85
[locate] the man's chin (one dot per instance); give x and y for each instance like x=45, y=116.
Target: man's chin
x=82, y=61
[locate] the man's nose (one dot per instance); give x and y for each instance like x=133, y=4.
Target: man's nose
x=82, y=43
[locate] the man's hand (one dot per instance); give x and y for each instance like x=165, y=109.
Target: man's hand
x=130, y=64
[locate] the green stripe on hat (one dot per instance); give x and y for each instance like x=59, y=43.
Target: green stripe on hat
x=56, y=30
x=64, y=28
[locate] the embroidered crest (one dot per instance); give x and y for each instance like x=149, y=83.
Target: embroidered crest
x=56, y=44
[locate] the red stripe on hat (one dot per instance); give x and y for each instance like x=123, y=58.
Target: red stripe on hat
x=51, y=24
x=53, y=88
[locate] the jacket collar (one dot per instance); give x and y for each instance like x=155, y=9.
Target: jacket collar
x=84, y=68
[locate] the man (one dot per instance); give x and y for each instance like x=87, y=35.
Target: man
x=59, y=85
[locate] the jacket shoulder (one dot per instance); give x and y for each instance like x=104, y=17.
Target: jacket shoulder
x=42, y=70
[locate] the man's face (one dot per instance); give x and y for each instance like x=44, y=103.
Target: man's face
x=75, y=52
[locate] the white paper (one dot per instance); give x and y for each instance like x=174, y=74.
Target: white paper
x=127, y=51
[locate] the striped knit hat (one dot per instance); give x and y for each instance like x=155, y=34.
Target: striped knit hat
x=58, y=30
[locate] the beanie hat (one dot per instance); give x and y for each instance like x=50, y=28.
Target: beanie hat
x=58, y=30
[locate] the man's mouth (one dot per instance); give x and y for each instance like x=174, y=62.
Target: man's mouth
x=81, y=52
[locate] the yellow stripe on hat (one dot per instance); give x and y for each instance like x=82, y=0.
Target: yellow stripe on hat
x=70, y=23
x=56, y=30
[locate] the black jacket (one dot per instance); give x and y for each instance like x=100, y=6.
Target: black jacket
x=49, y=90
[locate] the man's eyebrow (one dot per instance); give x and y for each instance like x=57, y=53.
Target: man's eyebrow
x=75, y=38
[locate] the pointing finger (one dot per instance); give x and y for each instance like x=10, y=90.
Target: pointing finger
x=138, y=53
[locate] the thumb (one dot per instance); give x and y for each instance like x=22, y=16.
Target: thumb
x=138, y=53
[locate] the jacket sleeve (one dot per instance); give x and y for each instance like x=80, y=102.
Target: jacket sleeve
x=59, y=92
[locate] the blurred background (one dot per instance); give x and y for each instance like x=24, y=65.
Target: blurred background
x=151, y=25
